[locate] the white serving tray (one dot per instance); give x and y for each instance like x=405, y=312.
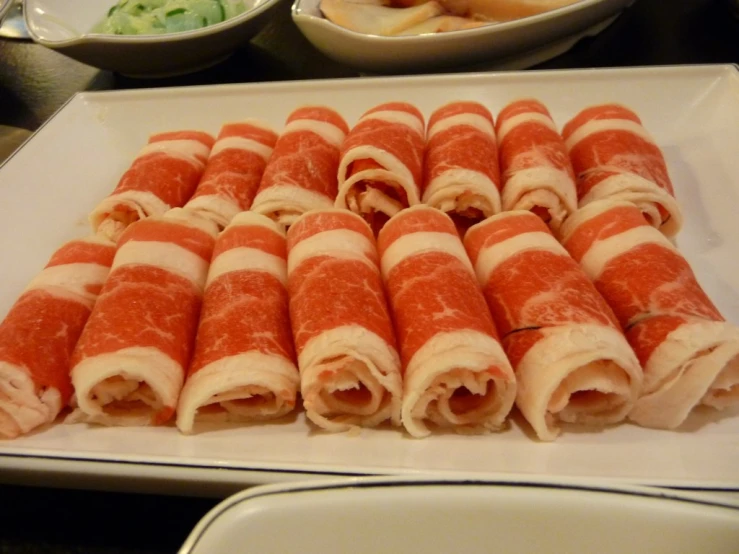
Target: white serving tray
x=400, y=515
x=50, y=184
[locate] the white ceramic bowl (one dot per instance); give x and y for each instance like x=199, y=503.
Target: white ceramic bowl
x=64, y=25
x=511, y=45
x=402, y=515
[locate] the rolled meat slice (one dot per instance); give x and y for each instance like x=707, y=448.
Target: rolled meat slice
x=349, y=365
x=244, y=366
x=234, y=170
x=456, y=374
x=164, y=175
x=301, y=174
x=40, y=331
x=130, y=362
x=461, y=174
x=690, y=354
x=381, y=170
x=614, y=157
x=535, y=167
x=572, y=362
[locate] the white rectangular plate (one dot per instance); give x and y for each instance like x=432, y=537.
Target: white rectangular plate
x=48, y=187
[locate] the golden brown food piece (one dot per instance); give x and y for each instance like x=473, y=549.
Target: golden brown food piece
x=492, y=10
x=443, y=24
x=416, y=17
x=374, y=19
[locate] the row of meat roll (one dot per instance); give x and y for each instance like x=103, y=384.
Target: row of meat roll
x=216, y=178
x=381, y=165
x=393, y=331
x=40, y=336
x=471, y=167
x=171, y=282
x=463, y=163
x=225, y=352
x=178, y=181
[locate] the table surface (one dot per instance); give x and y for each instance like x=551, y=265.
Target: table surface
x=35, y=82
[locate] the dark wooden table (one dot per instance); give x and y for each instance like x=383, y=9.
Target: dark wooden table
x=35, y=82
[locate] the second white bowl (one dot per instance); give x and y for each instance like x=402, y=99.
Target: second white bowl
x=513, y=45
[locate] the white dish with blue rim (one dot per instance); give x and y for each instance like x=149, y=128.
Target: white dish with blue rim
x=401, y=515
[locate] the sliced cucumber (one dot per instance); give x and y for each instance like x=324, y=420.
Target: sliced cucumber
x=136, y=17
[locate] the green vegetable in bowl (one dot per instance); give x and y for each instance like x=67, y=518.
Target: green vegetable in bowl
x=150, y=17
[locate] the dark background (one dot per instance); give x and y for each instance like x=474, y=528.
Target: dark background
x=35, y=82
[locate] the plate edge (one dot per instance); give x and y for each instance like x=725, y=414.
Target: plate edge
x=389, y=80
